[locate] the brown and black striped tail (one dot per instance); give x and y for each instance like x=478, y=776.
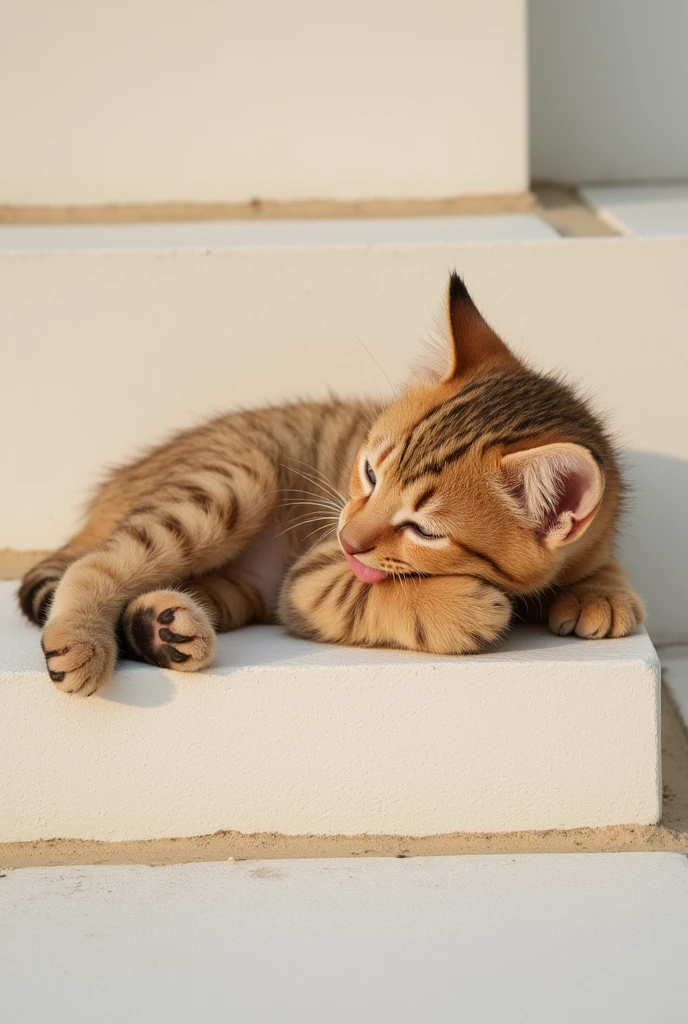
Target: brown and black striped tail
x=38, y=588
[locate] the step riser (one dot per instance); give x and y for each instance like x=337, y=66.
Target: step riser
x=296, y=738
x=227, y=102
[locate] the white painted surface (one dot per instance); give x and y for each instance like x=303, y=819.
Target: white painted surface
x=281, y=735
x=646, y=210
x=199, y=100
x=654, y=538
x=608, y=90
x=106, y=353
x=527, y=939
x=675, y=675
x=230, y=234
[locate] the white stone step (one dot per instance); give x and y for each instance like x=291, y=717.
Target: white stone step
x=285, y=736
x=598, y=938
x=649, y=210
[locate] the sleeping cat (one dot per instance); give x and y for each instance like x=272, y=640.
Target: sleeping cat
x=483, y=485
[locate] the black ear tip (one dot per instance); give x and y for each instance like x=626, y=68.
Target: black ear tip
x=457, y=289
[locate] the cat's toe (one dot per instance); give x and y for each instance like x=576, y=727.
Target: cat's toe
x=563, y=615
x=186, y=638
x=596, y=615
x=78, y=660
x=595, y=618
x=171, y=630
x=627, y=613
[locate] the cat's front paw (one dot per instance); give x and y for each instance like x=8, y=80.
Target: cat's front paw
x=461, y=615
x=79, y=658
x=595, y=615
x=168, y=628
x=488, y=615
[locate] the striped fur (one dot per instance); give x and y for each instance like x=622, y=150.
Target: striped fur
x=487, y=484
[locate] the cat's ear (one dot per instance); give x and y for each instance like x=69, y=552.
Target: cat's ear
x=473, y=344
x=557, y=487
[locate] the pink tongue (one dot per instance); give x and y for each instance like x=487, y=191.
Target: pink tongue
x=364, y=572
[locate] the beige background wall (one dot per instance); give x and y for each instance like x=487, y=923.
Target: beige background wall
x=203, y=100
x=608, y=89
x=207, y=100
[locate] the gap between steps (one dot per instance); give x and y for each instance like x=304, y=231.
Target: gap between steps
x=558, y=205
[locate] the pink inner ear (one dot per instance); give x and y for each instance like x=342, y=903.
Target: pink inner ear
x=574, y=503
x=559, y=485
x=578, y=496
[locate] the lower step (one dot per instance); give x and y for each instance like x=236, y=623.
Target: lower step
x=487, y=939
x=292, y=737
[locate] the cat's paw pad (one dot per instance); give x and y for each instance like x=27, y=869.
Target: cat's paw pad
x=78, y=659
x=596, y=615
x=171, y=630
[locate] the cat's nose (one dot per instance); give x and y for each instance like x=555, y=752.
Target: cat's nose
x=353, y=545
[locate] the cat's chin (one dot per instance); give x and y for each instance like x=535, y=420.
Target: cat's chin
x=365, y=573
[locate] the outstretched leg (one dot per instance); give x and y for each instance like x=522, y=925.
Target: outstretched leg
x=192, y=524
x=108, y=509
x=322, y=600
x=602, y=605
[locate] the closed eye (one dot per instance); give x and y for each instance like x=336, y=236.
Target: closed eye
x=370, y=473
x=419, y=530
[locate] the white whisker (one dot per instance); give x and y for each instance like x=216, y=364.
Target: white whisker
x=330, y=522
x=394, y=390
x=322, y=482
x=319, y=504
x=321, y=528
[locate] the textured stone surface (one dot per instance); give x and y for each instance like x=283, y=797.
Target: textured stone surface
x=536, y=939
x=286, y=736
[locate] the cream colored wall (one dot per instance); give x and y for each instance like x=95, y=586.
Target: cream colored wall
x=103, y=353
x=200, y=100
x=608, y=89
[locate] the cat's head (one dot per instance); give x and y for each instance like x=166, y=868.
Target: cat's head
x=488, y=469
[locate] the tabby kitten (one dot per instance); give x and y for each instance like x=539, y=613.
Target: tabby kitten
x=486, y=484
